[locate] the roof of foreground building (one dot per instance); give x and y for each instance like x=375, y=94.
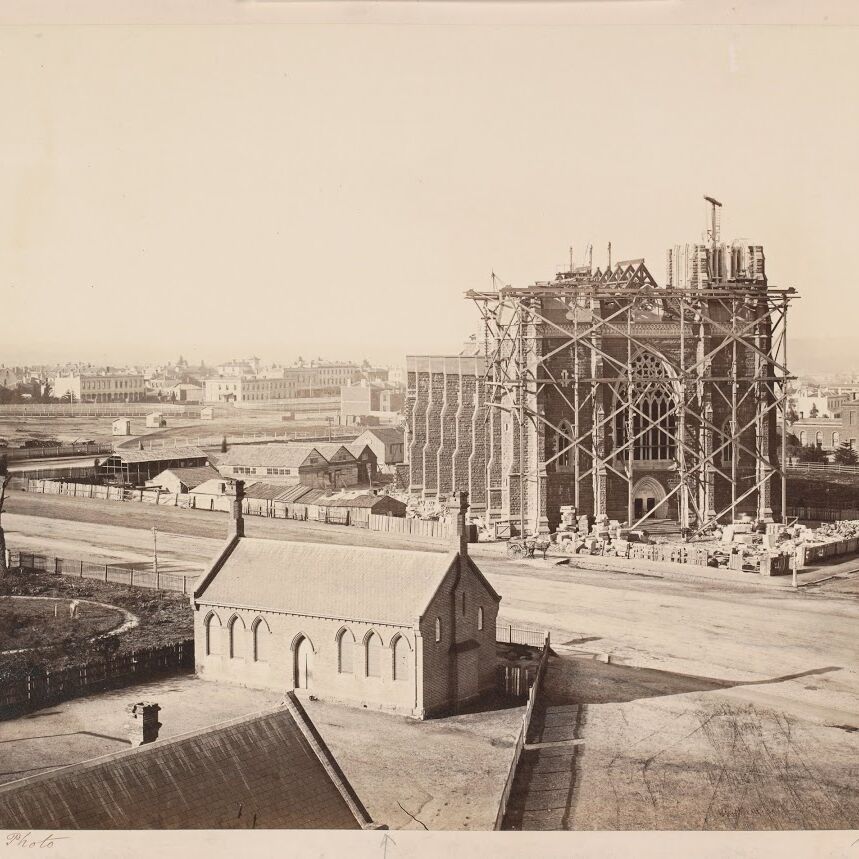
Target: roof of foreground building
x=270, y=770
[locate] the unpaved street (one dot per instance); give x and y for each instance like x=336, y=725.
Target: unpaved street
x=724, y=706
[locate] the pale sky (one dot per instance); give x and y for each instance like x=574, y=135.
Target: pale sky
x=286, y=190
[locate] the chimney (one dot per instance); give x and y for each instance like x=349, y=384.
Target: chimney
x=144, y=724
x=460, y=509
x=237, y=520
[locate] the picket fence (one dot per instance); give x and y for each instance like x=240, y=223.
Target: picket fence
x=42, y=688
x=533, y=692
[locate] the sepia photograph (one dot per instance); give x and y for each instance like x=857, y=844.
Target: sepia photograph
x=429, y=429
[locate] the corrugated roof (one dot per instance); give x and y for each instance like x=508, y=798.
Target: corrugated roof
x=264, y=491
x=159, y=454
x=191, y=477
x=313, y=495
x=350, y=582
x=293, y=493
x=268, y=771
x=282, y=455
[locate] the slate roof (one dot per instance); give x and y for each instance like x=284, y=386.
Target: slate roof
x=159, y=454
x=191, y=477
x=278, y=455
x=356, y=583
x=270, y=770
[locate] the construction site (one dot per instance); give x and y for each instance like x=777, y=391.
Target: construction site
x=603, y=403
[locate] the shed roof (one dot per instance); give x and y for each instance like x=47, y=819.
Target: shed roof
x=282, y=455
x=364, y=500
x=160, y=454
x=293, y=493
x=334, y=451
x=270, y=770
x=315, y=579
x=389, y=435
x=264, y=491
x=191, y=477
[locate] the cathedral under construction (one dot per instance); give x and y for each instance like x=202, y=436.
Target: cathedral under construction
x=658, y=406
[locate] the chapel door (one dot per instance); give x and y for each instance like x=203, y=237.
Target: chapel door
x=303, y=664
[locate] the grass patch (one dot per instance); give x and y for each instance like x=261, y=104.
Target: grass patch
x=165, y=618
x=27, y=622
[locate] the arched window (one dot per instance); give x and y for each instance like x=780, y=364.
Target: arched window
x=402, y=658
x=236, y=628
x=480, y=617
x=819, y=438
x=654, y=421
x=345, y=649
x=438, y=629
x=373, y=655
x=261, y=640
x=803, y=438
x=213, y=635
x=563, y=447
x=836, y=439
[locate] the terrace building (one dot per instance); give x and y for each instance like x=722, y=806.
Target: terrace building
x=105, y=388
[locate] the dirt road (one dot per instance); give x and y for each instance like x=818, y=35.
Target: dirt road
x=724, y=707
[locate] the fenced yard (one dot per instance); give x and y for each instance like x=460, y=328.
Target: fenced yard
x=129, y=576
x=42, y=688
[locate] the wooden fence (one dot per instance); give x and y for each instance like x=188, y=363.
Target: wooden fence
x=427, y=529
x=822, y=514
x=434, y=529
x=42, y=688
x=135, y=578
x=533, y=692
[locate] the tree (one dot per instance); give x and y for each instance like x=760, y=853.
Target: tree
x=845, y=455
x=224, y=444
x=811, y=453
x=5, y=477
x=814, y=411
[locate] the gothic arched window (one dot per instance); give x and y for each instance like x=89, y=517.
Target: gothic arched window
x=649, y=399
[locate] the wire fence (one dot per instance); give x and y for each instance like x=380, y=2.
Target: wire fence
x=142, y=577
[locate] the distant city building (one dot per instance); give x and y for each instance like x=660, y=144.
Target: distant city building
x=185, y=392
x=363, y=400
x=107, y=388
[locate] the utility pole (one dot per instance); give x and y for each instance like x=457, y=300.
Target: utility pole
x=155, y=550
